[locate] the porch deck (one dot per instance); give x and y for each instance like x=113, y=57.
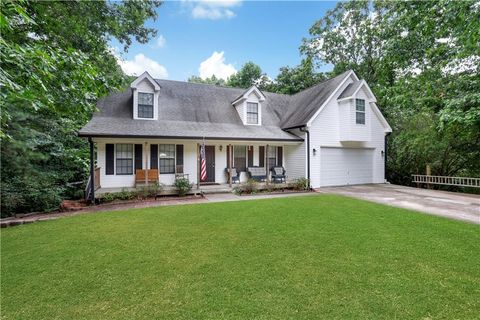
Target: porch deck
x=203, y=189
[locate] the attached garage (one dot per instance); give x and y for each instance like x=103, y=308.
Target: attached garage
x=345, y=166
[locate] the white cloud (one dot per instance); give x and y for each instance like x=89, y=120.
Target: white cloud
x=161, y=41
x=215, y=65
x=140, y=64
x=213, y=9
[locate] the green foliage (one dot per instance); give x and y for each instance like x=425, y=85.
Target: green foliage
x=300, y=184
x=183, y=186
x=424, y=69
x=250, y=74
x=149, y=191
x=212, y=80
x=55, y=64
x=296, y=79
x=249, y=187
x=125, y=194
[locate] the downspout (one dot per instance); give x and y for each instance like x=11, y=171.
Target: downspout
x=92, y=170
x=304, y=129
x=385, y=155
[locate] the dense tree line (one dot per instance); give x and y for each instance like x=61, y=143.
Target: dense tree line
x=55, y=64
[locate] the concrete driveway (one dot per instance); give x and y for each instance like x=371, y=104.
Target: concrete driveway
x=452, y=205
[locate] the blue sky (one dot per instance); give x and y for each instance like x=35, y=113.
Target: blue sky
x=205, y=38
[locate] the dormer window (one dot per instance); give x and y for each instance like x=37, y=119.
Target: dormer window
x=146, y=94
x=145, y=105
x=249, y=106
x=252, y=113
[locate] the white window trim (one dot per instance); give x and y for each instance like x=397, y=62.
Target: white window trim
x=364, y=112
x=259, y=104
x=174, y=157
x=153, y=106
x=115, y=159
x=135, y=105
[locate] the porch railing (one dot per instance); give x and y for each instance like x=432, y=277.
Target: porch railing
x=447, y=181
x=88, y=188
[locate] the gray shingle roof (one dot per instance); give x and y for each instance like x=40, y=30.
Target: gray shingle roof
x=306, y=103
x=192, y=110
x=350, y=89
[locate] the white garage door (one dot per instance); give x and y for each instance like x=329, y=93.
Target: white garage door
x=341, y=166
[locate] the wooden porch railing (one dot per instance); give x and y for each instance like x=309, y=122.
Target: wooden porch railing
x=146, y=175
x=447, y=181
x=96, y=180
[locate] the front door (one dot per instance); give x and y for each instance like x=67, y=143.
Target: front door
x=210, y=161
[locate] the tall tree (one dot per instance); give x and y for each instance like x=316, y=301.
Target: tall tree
x=292, y=80
x=212, y=80
x=250, y=74
x=55, y=63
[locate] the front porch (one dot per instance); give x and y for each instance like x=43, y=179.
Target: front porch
x=202, y=189
x=128, y=164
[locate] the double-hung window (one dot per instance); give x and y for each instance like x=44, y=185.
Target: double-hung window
x=124, y=157
x=166, y=155
x=252, y=113
x=240, y=158
x=272, y=156
x=359, y=111
x=145, y=105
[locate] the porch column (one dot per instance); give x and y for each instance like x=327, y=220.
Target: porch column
x=92, y=169
x=266, y=165
x=230, y=154
x=146, y=162
x=198, y=166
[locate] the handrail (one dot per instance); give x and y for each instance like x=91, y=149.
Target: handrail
x=447, y=181
x=88, y=188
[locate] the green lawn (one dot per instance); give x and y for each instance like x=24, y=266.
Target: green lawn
x=292, y=258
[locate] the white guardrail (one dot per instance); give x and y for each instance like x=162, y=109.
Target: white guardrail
x=447, y=181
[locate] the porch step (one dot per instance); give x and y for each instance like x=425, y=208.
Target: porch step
x=219, y=189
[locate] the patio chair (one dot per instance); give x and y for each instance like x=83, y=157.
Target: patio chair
x=257, y=173
x=278, y=174
x=235, y=175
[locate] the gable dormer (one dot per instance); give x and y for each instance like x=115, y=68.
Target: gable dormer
x=355, y=111
x=249, y=106
x=145, y=97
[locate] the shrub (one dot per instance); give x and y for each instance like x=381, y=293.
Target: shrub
x=301, y=184
x=249, y=187
x=122, y=195
x=149, y=191
x=183, y=186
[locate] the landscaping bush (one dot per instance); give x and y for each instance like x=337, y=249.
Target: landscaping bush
x=183, y=186
x=301, y=184
x=122, y=195
x=149, y=191
x=249, y=187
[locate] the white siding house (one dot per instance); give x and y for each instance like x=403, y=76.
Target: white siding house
x=332, y=133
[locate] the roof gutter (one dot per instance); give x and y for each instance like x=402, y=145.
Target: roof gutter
x=185, y=137
x=304, y=129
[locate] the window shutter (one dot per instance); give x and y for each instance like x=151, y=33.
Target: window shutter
x=179, y=154
x=154, y=156
x=250, y=156
x=138, y=157
x=261, y=156
x=228, y=155
x=279, y=156
x=109, y=159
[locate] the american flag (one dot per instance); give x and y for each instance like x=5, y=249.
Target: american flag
x=203, y=166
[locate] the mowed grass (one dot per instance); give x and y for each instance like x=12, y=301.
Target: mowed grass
x=307, y=257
